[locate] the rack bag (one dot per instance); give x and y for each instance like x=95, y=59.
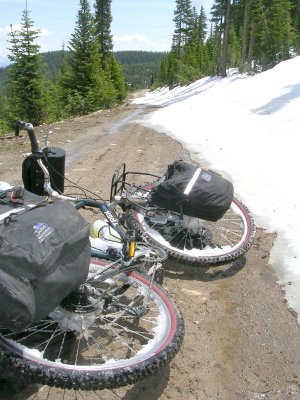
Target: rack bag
x=195, y=192
x=45, y=254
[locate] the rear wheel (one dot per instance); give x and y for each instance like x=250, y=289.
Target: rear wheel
x=193, y=240
x=109, y=333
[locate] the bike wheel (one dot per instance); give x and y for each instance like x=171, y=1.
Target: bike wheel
x=109, y=334
x=193, y=240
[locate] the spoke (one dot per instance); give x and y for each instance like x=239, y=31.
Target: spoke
x=49, y=340
x=148, y=319
x=141, y=334
x=231, y=231
x=154, y=225
x=59, y=333
x=33, y=331
x=135, y=332
x=62, y=343
x=233, y=220
x=227, y=233
x=89, y=337
x=122, y=339
x=182, y=239
x=30, y=329
x=77, y=350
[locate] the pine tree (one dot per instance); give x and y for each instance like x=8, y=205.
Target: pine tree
x=190, y=56
x=86, y=84
x=279, y=34
x=103, y=20
x=295, y=15
x=213, y=51
x=225, y=37
x=57, y=93
x=234, y=54
x=84, y=59
x=202, y=26
x=202, y=54
x=109, y=62
x=168, y=71
x=183, y=18
x=245, y=31
x=115, y=71
x=258, y=40
x=195, y=49
x=218, y=12
x=26, y=83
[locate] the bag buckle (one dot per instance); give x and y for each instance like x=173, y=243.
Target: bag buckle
x=17, y=195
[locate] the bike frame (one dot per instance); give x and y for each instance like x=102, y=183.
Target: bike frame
x=129, y=257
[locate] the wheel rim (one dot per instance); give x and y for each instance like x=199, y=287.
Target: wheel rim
x=229, y=234
x=94, y=340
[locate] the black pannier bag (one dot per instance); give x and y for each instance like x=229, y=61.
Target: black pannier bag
x=45, y=253
x=195, y=192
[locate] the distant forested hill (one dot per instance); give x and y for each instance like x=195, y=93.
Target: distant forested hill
x=139, y=67
x=138, y=57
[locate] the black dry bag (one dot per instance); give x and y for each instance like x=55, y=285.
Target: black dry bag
x=33, y=176
x=194, y=191
x=45, y=254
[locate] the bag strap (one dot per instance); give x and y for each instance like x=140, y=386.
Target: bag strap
x=15, y=196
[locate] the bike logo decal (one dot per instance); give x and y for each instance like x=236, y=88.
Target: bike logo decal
x=42, y=231
x=111, y=218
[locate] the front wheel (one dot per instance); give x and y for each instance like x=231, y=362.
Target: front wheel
x=193, y=240
x=112, y=332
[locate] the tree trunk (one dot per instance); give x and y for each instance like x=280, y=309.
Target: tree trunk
x=245, y=29
x=225, y=38
x=251, y=44
x=219, y=50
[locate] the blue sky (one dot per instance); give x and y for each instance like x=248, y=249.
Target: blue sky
x=137, y=25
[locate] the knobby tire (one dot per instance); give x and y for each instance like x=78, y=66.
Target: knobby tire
x=79, y=348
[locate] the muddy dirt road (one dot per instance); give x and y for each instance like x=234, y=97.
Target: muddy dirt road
x=241, y=340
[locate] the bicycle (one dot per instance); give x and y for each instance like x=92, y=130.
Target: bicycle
x=188, y=239
x=118, y=327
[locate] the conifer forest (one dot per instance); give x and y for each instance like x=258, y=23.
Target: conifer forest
x=87, y=75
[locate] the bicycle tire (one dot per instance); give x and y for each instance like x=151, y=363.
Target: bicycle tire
x=90, y=349
x=162, y=227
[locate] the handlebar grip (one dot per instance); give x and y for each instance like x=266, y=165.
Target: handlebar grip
x=33, y=141
x=31, y=134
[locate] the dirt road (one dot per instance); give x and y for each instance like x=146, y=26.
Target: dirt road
x=241, y=341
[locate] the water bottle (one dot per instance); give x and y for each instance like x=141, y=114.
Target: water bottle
x=104, y=236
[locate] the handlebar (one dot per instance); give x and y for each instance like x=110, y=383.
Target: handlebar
x=35, y=150
x=29, y=127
